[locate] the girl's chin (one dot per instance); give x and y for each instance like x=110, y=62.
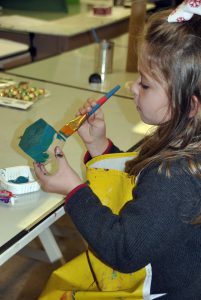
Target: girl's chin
x=144, y=119
x=147, y=122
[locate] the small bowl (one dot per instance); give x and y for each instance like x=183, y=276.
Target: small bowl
x=13, y=173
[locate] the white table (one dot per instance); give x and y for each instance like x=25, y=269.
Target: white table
x=8, y=48
x=67, y=25
x=47, y=37
x=27, y=219
x=13, y=54
x=35, y=212
x=73, y=68
x=121, y=40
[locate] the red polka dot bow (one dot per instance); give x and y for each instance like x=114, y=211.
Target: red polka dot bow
x=185, y=11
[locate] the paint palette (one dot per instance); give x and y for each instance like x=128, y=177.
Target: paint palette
x=21, y=95
x=10, y=180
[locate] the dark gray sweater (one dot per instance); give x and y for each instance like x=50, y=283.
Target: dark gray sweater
x=153, y=229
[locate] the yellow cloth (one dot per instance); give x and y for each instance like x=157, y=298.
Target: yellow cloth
x=86, y=277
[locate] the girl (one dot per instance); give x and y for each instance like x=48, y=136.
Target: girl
x=162, y=226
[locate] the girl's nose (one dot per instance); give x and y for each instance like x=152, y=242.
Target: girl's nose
x=128, y=86
x=135, y=88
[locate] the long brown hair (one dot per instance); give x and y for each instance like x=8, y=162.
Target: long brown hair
x=173, y=57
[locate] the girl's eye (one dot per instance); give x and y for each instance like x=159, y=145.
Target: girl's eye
x=144, y=86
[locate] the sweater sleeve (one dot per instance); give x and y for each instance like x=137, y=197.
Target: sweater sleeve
x=147, y=227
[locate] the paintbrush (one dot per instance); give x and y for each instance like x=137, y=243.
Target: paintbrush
x=71, y=127
x=40, y=138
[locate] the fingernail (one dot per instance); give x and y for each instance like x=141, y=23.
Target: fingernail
x=58, y=152
x=59, y=155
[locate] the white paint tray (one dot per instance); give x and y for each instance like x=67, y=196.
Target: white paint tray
x=13, y=173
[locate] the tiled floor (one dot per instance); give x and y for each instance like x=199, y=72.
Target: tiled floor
x=23, y=278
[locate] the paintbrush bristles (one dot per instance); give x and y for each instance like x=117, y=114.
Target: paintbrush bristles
x=73, y=125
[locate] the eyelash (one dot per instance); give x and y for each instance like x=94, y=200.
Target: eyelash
x=144, y=86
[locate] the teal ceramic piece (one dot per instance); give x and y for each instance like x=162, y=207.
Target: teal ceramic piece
x=36, y=140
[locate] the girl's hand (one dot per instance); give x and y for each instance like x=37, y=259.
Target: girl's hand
x=93, y=130
x=62, y=181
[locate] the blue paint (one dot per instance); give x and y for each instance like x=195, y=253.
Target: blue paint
x=61, y=137
x=36, y=140
x=19, y=180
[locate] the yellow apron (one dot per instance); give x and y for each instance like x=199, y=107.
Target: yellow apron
x=86, y=277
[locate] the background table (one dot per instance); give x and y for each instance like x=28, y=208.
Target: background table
x=13, y=54
x=53, y=36
x=73, y=68
x=48, y=34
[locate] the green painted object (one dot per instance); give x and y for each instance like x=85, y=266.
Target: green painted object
x=36, y=140
x=36, y=5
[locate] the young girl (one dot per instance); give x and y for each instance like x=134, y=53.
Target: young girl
x=161, y=226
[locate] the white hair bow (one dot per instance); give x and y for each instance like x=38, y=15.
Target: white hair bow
x=185, y=11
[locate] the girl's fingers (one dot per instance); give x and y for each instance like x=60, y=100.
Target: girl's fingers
x=91, y=102
x=86, y=107
x=40, y=170
x=43, y=169
x=61, y=159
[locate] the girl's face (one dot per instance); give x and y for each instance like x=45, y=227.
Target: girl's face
x=151, y=99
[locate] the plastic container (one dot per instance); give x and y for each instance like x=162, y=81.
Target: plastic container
x=13, y=173
x=102, y=7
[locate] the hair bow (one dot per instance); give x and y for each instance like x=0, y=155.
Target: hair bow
x=185, y=11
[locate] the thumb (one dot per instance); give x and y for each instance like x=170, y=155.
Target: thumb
x=60, y=157
x=59, y=153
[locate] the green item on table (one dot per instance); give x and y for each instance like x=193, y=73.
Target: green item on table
x=19, y=180
x=36, y=5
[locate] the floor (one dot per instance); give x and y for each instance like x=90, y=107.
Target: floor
x=23, y=278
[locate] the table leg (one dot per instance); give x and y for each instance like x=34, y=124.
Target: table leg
x=50, y=245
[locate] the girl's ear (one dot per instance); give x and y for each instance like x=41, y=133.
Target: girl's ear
x=195, y=104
